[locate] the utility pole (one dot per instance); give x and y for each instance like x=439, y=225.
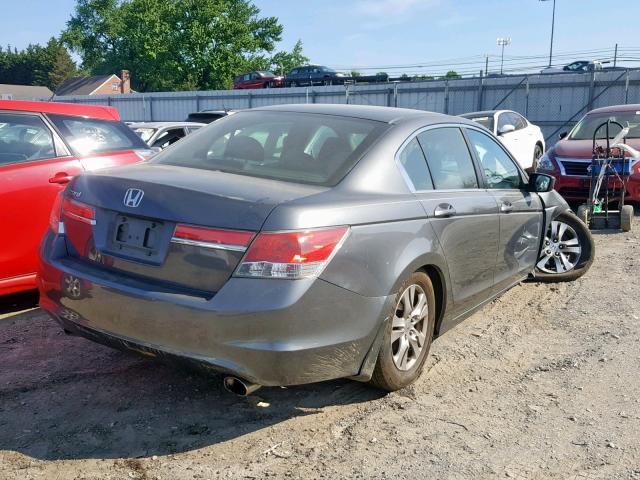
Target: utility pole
x=486, y=65
x=502, y=42
x=615, y=56
x=553, y=23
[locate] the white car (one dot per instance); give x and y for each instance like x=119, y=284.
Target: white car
x=524, y=140
x=160, y=135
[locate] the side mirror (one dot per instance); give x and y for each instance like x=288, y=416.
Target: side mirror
x=508, y=128
x=541, y=182
x=563, y=135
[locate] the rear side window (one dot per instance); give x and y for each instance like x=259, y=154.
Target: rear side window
x=24, y=138
x=297, y=147
x=448, y=158
x=415, y=166
x=87, y=135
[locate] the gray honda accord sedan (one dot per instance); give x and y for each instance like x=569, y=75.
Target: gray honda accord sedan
x=299, y=243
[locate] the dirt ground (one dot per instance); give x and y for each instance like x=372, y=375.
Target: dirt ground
x=542, y=383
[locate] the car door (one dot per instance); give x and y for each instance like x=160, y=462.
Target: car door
x=463, y=215
x=521, y=215
x=254, y=81
x=34, y=167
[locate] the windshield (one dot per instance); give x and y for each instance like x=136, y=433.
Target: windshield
x=485, y=121
x=145, y=133
x=296, y=147
x=586, y=127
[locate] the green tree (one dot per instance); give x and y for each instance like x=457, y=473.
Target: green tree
x=172, y=44
x=452, y=74
x=283, y=62
x=37, y=65
x=355, y=73
x=382, y=76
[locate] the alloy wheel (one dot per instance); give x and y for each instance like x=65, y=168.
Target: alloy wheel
x=561, y=250
x=409, y=327
x=72, y=286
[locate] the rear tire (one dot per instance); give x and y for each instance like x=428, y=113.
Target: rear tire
x=581, y=264
x=398, y=363
x=626, y=218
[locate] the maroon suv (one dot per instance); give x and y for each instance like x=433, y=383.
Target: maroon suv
x=570, y=158
x=258, y=79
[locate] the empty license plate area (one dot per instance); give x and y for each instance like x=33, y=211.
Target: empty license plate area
x=137, y=236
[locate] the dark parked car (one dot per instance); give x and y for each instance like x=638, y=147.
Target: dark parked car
x=259, y=79
x=299, y=243
x=315, y=75
x=208, y=116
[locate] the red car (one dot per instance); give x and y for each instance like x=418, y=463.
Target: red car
x=260, y=79
x=43, y=145
x=570, y=158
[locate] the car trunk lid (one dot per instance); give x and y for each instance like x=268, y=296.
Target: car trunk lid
x=138, y=208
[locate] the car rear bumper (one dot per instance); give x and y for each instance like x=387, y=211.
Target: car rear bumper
x=576, y=188
x=271, y=332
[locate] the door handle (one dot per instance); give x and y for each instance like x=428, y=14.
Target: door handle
x=61, y=177
x=506, y=207
x=444, y=210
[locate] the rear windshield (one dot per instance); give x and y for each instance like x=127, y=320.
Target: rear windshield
x=87, y=135
x=145, y=133
x=485, y=120
x=297, y=147
x=585, y=129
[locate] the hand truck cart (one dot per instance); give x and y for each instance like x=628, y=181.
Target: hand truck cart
x=610, y=169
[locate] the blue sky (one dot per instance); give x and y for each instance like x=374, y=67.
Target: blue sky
x=356, y=33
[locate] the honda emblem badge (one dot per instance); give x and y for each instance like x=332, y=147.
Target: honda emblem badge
x=133, y=197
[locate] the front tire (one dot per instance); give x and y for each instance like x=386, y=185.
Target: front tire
x=583, y=214
x=567, y=250
x=408, y=335
x=537, y=154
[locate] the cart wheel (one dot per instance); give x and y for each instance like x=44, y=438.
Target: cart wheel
x=626, y=217
x=583, y=214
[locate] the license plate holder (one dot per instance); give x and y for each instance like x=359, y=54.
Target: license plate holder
x=131, y=233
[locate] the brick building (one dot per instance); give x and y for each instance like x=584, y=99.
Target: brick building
x=96, y=85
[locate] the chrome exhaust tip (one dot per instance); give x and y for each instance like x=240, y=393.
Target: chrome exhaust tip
x=239, y=386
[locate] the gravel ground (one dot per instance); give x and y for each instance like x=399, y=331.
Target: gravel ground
x=542, y=383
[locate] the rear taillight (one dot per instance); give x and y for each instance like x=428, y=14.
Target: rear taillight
x=298, y=254
x=55, y=224
x=78, y=211
x=235, y=240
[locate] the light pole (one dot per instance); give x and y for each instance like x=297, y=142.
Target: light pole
x=553, y=23
x=502, y=42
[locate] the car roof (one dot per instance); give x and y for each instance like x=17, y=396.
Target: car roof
x=94, y=111
x=379, y=114
x=165, y=124
x=633, y=107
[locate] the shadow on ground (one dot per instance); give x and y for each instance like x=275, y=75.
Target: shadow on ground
x=65, y=397
x=20, y=301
